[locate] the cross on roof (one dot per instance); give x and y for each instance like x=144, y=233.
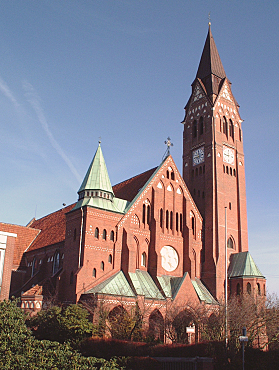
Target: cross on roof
x=169, y=144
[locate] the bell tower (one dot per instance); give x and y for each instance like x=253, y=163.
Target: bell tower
x=213, y=165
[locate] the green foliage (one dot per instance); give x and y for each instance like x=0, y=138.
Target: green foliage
x=62, y=324
x=20, y=350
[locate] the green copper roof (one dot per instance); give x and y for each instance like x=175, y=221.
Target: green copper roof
x=97, y=177
x=114, y=285
x=145, y=285
x=170, y=284
x=243, y=265
x=203, y=294
x=114, y=205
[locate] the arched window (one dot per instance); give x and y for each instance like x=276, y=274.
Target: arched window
x=201, y=126
x=225, y=126
x=238, y=289
x=171, y=220
x=176, y=222
x=264, y=290
x=148, y=214
x=112, y=235
x=224, y=168
x=105, y=234
x=231, y=129
x=259, y=288
x=34, y=265
x=110, y=258
x=240, y=134
x=234, y=172
x=193, y=224
x=167, y=219
x=227, y=169
x=97, y=233
x=230, y=243
x=230, y=171
x=172, y=175
x=143, y=259
x=56, y=260
x=161, y=217
x=71, y=278
x=143, y=214
x=168, y=174
x=181, y=223
x=195, y=128
x=94, y=272
x=249, y=289
x=102, y=265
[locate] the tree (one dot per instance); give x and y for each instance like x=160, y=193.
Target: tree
x=62, y=324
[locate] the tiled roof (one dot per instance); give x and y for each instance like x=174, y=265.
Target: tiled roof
x=25, y=236
x=35, y=290
x=128, y=189
x=53, y=228
x=243, y=265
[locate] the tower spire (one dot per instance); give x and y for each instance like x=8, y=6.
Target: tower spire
x=210, y=70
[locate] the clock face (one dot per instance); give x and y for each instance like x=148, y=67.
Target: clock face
x=228, y=155
x=198, y=156
x=169, y=258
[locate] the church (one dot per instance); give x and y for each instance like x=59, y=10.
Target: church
x=161, y=235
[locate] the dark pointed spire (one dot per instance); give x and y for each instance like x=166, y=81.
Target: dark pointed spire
x=210, y=66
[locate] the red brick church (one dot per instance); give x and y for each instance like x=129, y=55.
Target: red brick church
x=158, y=235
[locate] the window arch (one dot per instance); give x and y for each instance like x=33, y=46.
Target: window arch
x=56, y=261
x=94, y=272
x=102, y=265
x=148, y=214
x=97, y=233
x=176, y=222
x=143, y=259
x=181, y=222
x=201, y=126
x=195, y=128
x=259, y=288
x=110, y=258
x=172, y=175
x=105, y=234
x=249, y=288
x=230, y=243
x=168, y=174
x=112, y=235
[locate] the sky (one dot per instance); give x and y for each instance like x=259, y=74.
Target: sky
x=72, y=72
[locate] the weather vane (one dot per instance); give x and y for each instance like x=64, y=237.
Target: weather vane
x=168, y=144
x=100, y=139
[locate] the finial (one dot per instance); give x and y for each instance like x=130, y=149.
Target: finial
x=209, y=20
x=169, y=144
x=100, y=140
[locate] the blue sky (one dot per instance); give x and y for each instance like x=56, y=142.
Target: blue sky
x=74, y=71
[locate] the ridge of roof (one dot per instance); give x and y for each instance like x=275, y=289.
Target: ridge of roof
x=202, y=292
x=97, y=177
x=243, y=265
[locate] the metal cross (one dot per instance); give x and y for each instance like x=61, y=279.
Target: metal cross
x=169, y=144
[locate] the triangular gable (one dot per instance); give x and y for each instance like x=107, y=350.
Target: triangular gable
x=242, y=265
x=155, y=177
x=186, y=292
x=198, y=92
x=225, y=94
